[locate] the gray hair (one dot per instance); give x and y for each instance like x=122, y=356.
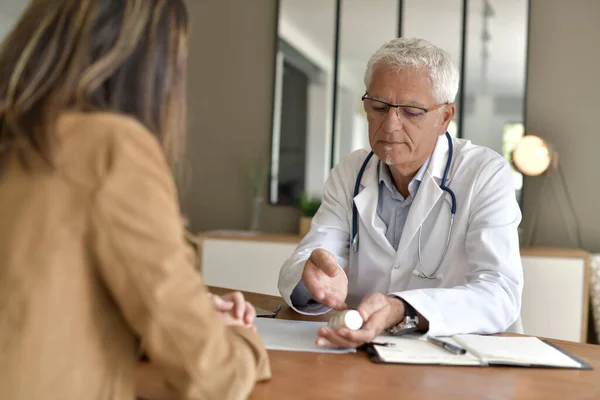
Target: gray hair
x=409, y=53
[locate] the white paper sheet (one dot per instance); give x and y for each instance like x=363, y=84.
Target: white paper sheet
x=415, y=349
x=281, y=334
x=516, y=350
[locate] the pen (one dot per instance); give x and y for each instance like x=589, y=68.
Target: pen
x=276, y=310
x=385, y=344
x=452, y=348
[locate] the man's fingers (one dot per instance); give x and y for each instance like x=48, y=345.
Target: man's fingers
x=330, y=338
x=327, y=290
x=314, y=287
x=316, y=284
x=370, y=329
x=311, y=280
x=330, y=269
x=325, y=261
x=334, y=302
x=322, y=342
x=371, y=305
x=328, y=296
x=359, y=336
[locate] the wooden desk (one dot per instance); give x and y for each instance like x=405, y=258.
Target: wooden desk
x=311, y=376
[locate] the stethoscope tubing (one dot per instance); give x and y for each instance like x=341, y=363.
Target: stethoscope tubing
x=443, y=186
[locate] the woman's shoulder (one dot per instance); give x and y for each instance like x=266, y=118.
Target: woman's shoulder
x=101, y=126
x=90, y=144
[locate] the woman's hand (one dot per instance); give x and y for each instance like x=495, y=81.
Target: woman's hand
x=234, y=310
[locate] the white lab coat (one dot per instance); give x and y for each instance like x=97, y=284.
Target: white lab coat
x=480, y=280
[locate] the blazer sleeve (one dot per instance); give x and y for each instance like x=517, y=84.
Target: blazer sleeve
x=144, y=260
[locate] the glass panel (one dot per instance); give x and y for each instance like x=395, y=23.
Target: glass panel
x=440, y=22
x=301, y=142
x=495, y=74
x=365, y=26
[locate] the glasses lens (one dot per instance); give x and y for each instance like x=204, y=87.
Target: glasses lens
x=410, y=112
x=378, y=109
x=375, y=108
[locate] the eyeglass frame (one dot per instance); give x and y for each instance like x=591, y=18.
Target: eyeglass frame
x=398, y=106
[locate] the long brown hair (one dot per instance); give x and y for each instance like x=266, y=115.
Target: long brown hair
x=123, y=56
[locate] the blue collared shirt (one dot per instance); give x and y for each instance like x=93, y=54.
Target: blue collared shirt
x=392, y=207
x=393, y=210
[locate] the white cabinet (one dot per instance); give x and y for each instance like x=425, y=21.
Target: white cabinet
x=556, y=293
x=245, y=260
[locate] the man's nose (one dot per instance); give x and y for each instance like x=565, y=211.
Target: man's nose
x=391, y=122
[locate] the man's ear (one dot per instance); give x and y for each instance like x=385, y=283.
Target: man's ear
x=446, y=115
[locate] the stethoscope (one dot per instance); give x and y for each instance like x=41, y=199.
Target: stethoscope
x=419, y=271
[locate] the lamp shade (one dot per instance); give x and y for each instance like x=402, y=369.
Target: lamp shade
x=533, y=156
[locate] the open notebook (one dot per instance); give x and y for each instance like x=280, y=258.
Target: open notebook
x=481, y=351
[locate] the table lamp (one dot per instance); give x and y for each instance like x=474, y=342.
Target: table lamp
x=533, y=156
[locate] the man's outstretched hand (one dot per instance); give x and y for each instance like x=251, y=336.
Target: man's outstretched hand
x=325, y=280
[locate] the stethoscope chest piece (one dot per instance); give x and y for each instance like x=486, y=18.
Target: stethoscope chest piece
x=354, y=243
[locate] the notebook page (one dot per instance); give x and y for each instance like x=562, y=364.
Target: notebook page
x=515, y=350
x=417, y=350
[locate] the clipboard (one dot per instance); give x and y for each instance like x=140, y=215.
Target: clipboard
x=476, y=358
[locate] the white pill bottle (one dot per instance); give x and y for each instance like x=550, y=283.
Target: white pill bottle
x=349, y=319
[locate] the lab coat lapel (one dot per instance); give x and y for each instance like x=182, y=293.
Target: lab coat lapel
x=366, y=205
x=427, y=196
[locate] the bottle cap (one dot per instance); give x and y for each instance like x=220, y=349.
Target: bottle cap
x=353, y=320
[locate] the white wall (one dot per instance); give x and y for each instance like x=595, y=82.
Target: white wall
x=562, y=107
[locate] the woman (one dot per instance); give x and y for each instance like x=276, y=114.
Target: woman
x=93, y=261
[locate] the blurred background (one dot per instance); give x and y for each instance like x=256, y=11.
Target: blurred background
x=275, y=86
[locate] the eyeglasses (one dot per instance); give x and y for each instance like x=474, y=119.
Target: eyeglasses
x=378, y=109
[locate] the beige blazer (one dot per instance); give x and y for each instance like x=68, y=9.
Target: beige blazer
x=93, y=262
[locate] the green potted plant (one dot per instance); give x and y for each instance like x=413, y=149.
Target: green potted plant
x=309, y=206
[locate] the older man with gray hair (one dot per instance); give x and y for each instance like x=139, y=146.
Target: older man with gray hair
x=420, y=234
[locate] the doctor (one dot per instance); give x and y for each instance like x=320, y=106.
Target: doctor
x=422, y=235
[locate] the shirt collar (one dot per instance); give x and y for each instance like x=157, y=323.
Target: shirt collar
x=385, y=176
